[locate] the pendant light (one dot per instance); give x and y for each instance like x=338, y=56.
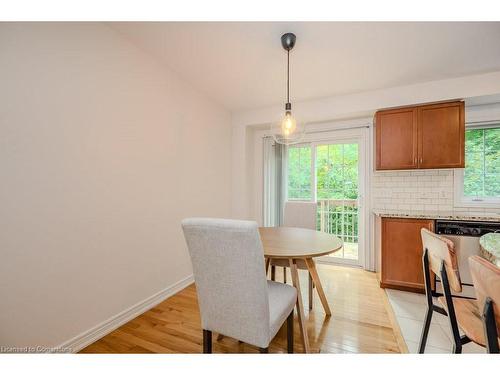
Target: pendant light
x=288, y=131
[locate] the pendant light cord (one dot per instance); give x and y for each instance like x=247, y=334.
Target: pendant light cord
x=288, y=77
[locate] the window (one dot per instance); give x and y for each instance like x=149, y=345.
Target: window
x=478, y=185
x=299, y=173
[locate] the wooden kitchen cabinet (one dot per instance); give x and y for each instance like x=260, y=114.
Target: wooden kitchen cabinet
x=396, y=137
x=402, y=253
x=421, y=137
x=441, y=136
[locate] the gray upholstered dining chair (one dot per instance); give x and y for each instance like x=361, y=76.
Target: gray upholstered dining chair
x=299, y=215
x=235, y=298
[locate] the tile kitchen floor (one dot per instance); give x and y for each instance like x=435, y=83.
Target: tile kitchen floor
x=409, y=310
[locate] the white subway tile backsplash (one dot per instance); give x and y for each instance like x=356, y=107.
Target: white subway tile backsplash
x=445, y=207
x=424, y=190
x=430, y=207
x=426, y=178
x=404, y=207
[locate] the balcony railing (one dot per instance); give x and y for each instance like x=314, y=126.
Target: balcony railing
x=339, y=217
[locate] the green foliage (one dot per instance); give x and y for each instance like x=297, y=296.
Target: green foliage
x=337, y=171
x=482, y=163
x=299, y=172
x=336, y=179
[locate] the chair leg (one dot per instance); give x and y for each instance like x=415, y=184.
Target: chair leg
x=457, y=340
x=457, y=348
x=310, y=291
x=264, y=350
x=289, y=333
x=490, y=327
x=430, y=304
x=425, y=330
x=207, y=341
x=273, y=273
x=284, y=275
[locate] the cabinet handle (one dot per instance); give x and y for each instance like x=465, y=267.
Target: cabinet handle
x=421, y=160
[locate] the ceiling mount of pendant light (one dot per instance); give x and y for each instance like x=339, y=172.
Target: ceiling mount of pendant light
x=288, y=131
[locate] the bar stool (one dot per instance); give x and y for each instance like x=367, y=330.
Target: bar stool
x=440, y=258
x=486, y=277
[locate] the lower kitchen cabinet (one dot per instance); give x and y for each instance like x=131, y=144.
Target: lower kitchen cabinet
x=402, y=253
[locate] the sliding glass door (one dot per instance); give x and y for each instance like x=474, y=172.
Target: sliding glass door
x=328, y=172
x=337, y=193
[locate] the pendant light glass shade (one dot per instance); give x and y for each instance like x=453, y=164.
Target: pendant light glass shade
x=288, y=130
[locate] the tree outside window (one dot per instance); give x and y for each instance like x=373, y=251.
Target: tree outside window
x=482, y=163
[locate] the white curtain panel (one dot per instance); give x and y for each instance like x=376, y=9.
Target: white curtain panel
x=274, y=197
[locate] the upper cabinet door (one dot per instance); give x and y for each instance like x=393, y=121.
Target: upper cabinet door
x=396, y=137
x=441, y=136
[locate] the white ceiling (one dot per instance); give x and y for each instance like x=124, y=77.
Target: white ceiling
x=242, y=65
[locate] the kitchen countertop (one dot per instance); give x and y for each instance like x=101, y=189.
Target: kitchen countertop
x=490, y=247
x=443, y=215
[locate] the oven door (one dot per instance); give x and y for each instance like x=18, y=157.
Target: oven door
x=465, y=246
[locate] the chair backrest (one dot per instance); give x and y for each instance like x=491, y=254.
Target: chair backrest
x=300, y=215
x=441, y=249
x=228, y=267
x=486, y=280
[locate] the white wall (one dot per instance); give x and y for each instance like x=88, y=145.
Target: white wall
x=102, y=152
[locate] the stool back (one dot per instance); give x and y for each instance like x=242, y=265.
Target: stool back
x=486, y=279
x=439, y=250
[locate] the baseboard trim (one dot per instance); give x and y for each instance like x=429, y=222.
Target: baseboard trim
x=84, y=339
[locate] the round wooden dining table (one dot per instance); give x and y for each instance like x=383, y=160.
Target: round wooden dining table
x=295, y=244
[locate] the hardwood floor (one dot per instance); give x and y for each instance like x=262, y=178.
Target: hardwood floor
x=360, y=322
